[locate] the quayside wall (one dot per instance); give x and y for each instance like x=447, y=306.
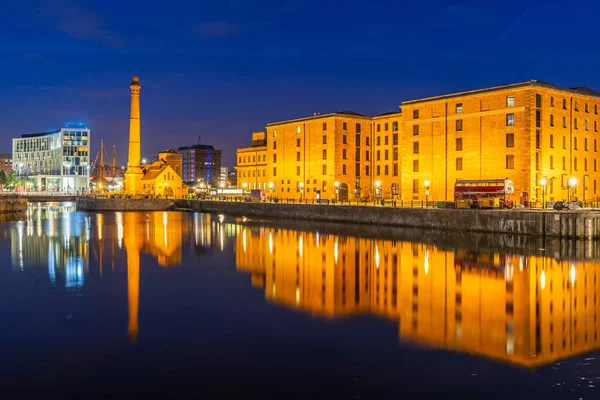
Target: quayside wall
x=8, y=205
x=565, y=224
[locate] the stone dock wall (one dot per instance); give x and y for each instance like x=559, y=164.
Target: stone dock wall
x=92, y=204
x=566, y=224
x=8, y=206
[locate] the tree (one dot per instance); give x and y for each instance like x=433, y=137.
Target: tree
x=3, y=178
x=11, y=180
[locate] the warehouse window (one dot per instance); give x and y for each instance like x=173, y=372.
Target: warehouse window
x=510, y=161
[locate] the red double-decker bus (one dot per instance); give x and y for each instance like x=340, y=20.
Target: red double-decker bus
x=483, y=193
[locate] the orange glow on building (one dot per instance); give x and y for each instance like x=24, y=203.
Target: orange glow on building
x=531, y=132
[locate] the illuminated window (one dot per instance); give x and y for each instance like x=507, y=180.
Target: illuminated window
x=510, y=101
x=459, y=108
x=395, y=126
x=298, y=129
x=510, y=119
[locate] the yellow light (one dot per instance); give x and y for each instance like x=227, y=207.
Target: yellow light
x=335, y=250
x=377, y=183
x=543, y=182
x=543, y=280
x=271, y=184
x=336, y=184
x=270, y=242
x=426, y=262
x=244, y=239
x=573, y=275
x=377, y=256
x=427, y=183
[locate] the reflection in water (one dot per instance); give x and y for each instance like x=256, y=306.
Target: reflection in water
x=49, y=237
x=527, y=310
x=523, y=306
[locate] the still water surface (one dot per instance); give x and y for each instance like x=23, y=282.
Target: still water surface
x=100, y=304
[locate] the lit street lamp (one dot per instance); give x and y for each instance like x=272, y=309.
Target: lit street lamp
x=144, y=161
x=543, y=182
x=571, y=185
x=427, y=185
x=377, y=189
x=271, y=186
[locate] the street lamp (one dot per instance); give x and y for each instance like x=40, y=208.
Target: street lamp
x=271, y=186
x=427, y=184
x=301, y=186
x=144, y=161
x=336, y=184
x=543, y=182
x=377, y=189
x=571, y=184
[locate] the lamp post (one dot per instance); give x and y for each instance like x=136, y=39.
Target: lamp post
x=543, y=182
x=427, y=184
x=336, y=184
x=301, y=186
x=271, y=186
x=571, y=184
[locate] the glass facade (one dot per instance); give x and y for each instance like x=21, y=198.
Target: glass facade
x=55, y=161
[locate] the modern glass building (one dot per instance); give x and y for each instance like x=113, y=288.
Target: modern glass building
x=201, y=163
x=57, y=160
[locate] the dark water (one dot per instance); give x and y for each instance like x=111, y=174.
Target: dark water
x=183, y=305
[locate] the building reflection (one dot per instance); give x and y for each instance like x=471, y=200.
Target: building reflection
x=46, y=237
x=528, y=310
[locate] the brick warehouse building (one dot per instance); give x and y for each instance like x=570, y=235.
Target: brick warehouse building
x=525, y=132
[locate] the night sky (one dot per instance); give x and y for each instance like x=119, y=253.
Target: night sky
x=224, y=68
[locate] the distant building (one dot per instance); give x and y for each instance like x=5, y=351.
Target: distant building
x=233, y=178
x=57, y=160
x=6, y=163
x=224, y=176
x=201, y=163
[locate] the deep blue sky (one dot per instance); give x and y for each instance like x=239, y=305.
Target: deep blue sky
x=224, y=68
